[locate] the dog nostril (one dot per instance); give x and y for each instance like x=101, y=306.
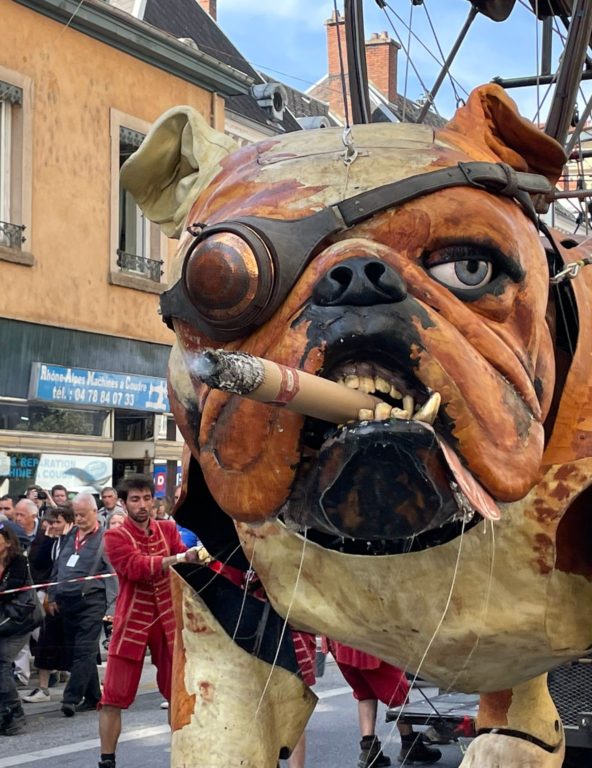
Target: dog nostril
x=359, y=282
x=341, y=275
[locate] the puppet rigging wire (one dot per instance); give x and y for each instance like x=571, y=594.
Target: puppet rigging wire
x=285, y=625
x=473, y=647
x=245, y=592
x=436, y=630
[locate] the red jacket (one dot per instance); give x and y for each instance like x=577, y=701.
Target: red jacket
x=144, y=590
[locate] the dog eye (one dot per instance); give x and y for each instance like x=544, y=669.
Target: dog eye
x=470, y=270
x=466, y=274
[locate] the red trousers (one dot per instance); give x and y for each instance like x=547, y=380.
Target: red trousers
x=385, y=683
x=122, y=676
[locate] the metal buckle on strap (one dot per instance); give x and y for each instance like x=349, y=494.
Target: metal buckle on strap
x=570, y=271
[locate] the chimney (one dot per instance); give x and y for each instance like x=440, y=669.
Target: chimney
x=381, y=63
x=335, y=35
x=210, y=7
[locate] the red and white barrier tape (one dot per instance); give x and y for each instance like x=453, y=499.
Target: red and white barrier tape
x=55, y=583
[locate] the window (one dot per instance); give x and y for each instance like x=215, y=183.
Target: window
x=15, y=147
x=138, y=245
x=133, y=426
x=139, y=239
x=25, y=417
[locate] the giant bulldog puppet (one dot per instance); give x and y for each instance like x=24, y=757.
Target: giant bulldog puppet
x=408, y=264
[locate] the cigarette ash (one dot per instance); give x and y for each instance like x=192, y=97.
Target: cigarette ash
x=238, y=373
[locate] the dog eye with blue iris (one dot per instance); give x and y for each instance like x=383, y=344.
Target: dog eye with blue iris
x=470, y=270
x=463, y=274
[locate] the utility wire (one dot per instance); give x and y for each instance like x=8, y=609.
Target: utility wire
x=411, y=6
x=443, y=61
x=440, y=62
x=399, y=40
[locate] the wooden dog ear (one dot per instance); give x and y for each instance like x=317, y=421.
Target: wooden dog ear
x=490, y=120
x=179, y=156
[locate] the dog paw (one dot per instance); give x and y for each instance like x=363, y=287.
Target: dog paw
x=495, y=750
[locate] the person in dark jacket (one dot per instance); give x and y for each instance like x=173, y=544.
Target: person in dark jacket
x=14, y=573
x=81, y=603
x=52, y=651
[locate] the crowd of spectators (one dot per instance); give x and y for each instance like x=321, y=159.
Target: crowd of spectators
x=54, y=539
x=80, y=556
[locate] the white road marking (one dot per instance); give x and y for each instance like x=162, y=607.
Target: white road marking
x=328, y=694
x=138, y=733
x=80, y=746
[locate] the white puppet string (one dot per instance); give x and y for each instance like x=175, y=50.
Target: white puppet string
x=283, y=632
x=434, y=634
x=475, y=644
x=245, y=591
x=485, y=609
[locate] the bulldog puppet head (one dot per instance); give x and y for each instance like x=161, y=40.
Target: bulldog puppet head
x=406, y=262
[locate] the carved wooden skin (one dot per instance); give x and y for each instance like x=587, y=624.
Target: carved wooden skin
x=509, y=600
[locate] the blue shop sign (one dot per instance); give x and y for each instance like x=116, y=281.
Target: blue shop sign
x=79, y=386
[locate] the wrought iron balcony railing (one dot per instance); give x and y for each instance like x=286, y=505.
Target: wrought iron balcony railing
x=140, y=265
x=12, y=235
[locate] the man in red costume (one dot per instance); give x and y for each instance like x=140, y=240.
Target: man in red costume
x=373, y=680
x=141, y=552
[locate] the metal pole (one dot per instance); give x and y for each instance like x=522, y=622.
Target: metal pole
x=578, y=129
x=547, y=47
x=570, y=71
x=579, y=194
x=356, y=61
x=444, y=71
x=525, y=82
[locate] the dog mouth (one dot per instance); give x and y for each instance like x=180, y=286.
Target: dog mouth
x=390, y=481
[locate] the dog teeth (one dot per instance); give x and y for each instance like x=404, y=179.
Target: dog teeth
x=382, y=385
x=382, y=412
x=366, y=384
x=394, y=393
x=429, y=410
x=364, y=381
x=399, y=413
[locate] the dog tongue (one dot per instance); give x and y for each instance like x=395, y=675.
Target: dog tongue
x=475, y=493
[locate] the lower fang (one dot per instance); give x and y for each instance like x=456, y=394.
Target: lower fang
x=428, y=411
x=365, y=414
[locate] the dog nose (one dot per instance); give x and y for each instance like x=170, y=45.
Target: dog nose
x=360, y=282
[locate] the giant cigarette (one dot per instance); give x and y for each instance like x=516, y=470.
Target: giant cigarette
x=272, y=383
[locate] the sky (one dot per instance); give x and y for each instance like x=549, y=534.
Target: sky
x=287, y=39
